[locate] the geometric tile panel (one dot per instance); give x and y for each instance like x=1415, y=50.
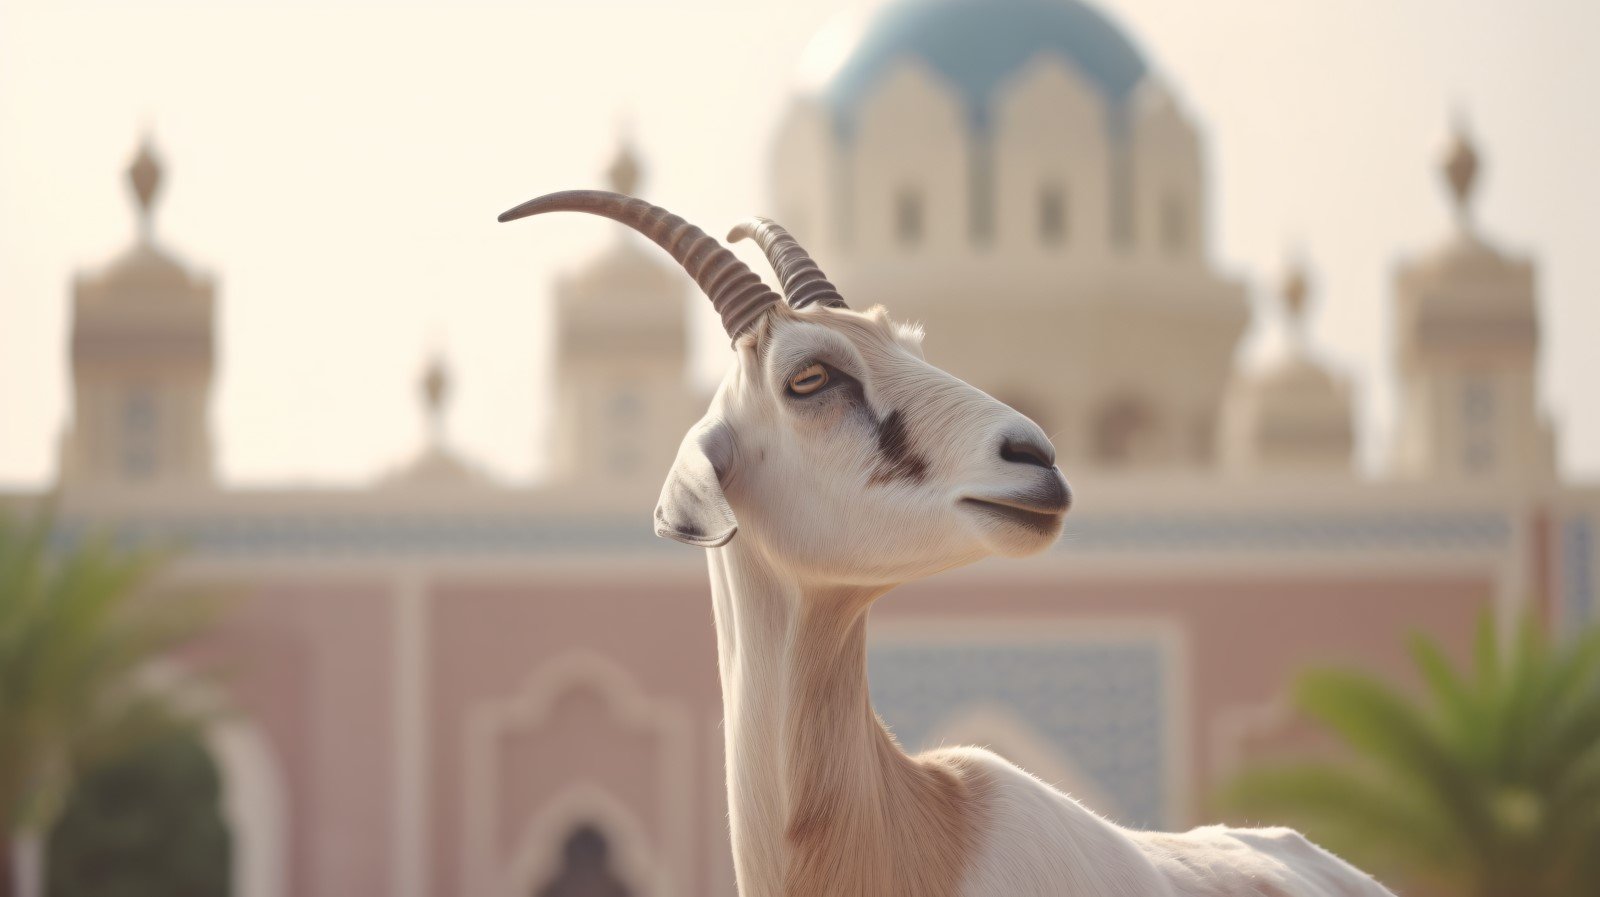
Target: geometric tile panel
x=1100, y=702
x=343, y=534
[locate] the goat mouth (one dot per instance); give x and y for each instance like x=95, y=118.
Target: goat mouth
x=1037, y=519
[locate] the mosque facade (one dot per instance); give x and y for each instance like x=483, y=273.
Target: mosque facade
x=444, y=684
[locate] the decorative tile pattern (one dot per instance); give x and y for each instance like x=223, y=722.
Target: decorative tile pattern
x=398, y=536
x=356, y=535
x=1410, y=531
x=1101, y=703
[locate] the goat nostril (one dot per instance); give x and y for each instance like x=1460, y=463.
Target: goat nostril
x=1023, y=451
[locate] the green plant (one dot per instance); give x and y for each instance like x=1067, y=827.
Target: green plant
x=1487, y=783
x=78, y=624
x=148, y=824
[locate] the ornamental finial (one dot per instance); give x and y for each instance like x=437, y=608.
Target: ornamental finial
x=144, y=174
x=1460, y=168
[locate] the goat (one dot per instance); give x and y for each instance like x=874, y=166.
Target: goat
x=847, y=464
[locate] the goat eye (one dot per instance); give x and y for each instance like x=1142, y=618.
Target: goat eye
x=808, y=381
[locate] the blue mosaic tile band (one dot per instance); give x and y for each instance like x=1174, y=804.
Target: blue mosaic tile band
x=399, y=536
x=368, y=535
x=1222, y=532
x=1100, y=704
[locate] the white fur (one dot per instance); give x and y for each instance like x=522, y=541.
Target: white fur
x=818, y=535
x=1042, y=843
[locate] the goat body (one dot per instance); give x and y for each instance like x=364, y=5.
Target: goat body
x=824, y=802
x=846, y=464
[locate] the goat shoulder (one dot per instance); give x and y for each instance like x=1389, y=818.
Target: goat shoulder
x=1040, y=842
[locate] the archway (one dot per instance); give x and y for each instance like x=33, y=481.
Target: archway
x=225, y=774
x=586, y=869
x=544, y=854
x=147, y=824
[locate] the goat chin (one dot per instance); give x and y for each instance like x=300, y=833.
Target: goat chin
x=1023, y=545
x=1017, y=540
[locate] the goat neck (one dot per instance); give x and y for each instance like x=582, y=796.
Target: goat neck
x=819, y=792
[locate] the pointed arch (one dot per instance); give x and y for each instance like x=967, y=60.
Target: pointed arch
x=488, y=870
x=537, y=855
x=254, y=799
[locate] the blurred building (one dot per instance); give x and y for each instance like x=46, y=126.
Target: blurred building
x=450, y=686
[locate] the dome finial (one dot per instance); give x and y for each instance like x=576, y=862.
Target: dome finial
x=625, y=173
x=1460, y=167
x=1296, y=296
x=144, y=173
x=436, y=395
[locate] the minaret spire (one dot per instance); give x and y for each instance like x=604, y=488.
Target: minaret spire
x=144, y=174
x=1296, y=297
x=436, y=397
x=625, y=174
x=1460, y=168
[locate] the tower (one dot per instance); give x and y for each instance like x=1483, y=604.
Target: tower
x=143, y=351
x=1467, y=335
x=438, y=466
x=621, y=358
x=1294, y=416
x=1018, y=177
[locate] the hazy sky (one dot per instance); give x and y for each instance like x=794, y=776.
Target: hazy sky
x=338, y=166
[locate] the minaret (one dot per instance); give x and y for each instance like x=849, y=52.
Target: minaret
x=435, y=395
x=1295, y=415
x=1467, y=336
x=437, y=467
x=621, y=362
x=143, y=358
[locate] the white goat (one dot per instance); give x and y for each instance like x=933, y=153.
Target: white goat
x=848, y=465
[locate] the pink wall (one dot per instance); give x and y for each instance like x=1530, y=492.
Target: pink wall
x=490, y=635
x=311, y=659
x=310, y=662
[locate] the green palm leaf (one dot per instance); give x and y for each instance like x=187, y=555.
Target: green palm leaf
x=1487, y=781
x=77, y=625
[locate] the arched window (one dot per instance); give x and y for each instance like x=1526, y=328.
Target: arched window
x=1118, y=428
x=1174, y=224
x=1477, y=417
x=1052, y=215
x=626, y=410
x=585, y=868
x=140, y=434
x=908, y=214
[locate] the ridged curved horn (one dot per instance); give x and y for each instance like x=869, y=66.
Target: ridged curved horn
x=803, y=282
x=735, y=291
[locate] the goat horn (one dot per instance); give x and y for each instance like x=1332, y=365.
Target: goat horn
x=803, y=282
x=735, y=291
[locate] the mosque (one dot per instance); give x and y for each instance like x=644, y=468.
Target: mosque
x=447, y=685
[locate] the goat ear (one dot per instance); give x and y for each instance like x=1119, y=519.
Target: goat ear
x=692, y=509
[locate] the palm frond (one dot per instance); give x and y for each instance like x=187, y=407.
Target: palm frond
x=77, y=625
x=1489, y=779
x=1395, y=734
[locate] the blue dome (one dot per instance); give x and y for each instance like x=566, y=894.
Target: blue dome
x=978, y=45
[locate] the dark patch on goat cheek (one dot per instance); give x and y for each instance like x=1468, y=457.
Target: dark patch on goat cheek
x=897, y=460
